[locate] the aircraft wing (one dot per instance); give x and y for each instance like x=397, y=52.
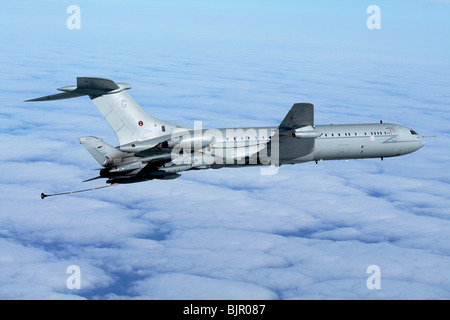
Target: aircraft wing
x=300, y=118
x=300, y=115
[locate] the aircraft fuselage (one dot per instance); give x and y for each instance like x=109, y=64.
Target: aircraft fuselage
x=336, y=142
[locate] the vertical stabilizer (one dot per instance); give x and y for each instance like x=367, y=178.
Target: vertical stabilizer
x=104, y=153
x=128, y=120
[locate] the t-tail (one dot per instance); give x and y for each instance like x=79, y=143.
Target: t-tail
x=128, y=120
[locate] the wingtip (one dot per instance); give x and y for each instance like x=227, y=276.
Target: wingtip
x=37, y=99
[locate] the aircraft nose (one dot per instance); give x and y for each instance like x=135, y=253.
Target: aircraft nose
x=421, y=143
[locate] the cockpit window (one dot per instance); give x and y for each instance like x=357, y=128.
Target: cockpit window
x=413, y=132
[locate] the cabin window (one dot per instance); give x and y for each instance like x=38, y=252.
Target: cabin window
x=339, y=134
x=332, y=134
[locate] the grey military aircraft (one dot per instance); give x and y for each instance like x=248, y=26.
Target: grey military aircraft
x=150, y=148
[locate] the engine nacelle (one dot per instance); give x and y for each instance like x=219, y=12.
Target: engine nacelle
x=183, y=141
x=307, y=132
x=190, y=143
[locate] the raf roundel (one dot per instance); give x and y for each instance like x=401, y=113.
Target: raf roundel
x=140, y=123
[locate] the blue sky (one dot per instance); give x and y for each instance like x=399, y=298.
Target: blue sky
x=308, y=232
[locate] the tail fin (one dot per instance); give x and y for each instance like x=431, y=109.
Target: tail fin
x=104, y=153
x=120, y=110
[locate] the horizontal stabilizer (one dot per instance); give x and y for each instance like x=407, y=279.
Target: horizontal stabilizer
x=86, y=86
x=59, y=96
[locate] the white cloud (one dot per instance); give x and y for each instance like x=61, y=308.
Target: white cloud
x=191, y=287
